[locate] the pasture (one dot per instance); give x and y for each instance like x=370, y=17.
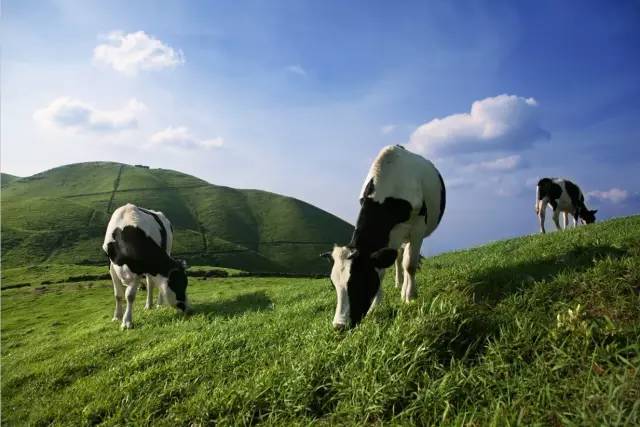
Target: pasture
x=535, y=330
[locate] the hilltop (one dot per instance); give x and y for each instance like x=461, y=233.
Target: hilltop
x=539, y=330
x=59, y=216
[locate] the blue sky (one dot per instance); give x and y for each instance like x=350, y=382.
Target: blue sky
x=297, y=97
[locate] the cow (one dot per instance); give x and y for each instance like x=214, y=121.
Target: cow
x=138, y=243
x=401, y=202
x=563, y=196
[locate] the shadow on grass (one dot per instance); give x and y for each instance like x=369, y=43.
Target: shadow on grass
x=241, y=304
x=494, y=284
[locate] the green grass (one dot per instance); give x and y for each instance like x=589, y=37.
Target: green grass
x=541, y=330
x=60, y=216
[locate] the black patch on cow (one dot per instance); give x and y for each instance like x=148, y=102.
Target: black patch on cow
x=133, y=247
x=574, y=194
x=368, y=191
x=443, y=198
x=362, y=287
x=375, y=222
x=163, y=230
x=549, y=189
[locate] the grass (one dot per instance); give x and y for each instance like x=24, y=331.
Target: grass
x=60, y=216
x=540, y=330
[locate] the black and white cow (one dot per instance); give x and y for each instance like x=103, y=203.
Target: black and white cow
x=402, y=202
x=138, y=242
x=563, y=196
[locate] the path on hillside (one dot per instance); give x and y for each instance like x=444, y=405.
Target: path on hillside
x=116, y=184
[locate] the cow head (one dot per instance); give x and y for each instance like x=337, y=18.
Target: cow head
x=177, y=286
x=588, y=216
x=356, y=277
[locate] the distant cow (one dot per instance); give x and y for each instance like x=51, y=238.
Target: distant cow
x=402, y=202
x=138, y=242
x=563, y=196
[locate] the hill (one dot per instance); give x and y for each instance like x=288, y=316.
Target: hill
x=6, y=178
x=540, y=330
x=60, y=216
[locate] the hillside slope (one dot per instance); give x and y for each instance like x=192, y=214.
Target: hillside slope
x=59, y=216
x=540, y=330
x=6, y=178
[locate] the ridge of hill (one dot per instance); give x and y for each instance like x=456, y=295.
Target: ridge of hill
x=60, y=216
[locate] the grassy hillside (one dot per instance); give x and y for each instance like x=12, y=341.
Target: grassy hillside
x=60, y=216
x=541, y=330
x=6, y=178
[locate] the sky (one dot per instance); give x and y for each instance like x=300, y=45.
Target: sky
x=298, y=97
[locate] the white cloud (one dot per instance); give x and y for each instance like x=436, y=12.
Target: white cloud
x=502, y=164
x=504, y=122
x=296, y=69
x=133, y=52
x=614, y=195
x=72, y=114
x=181, y=137
x=387, y=129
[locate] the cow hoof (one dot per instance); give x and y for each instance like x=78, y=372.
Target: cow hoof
x=115, y=319
x=339, y=327
x=148, y=307
x=126, y=325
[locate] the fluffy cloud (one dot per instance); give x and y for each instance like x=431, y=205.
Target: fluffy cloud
x=181, y=137
x=296, y=69
x=504, y=122
x=133, y=52
x=502, y=164
x=614, y=195
x=72, y=114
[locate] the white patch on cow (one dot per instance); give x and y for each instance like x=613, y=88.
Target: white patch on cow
x=130, y=215
x=340, y=277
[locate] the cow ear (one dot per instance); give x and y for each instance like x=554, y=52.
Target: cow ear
x=383, y=258
x=354, y=253
x=594, y=212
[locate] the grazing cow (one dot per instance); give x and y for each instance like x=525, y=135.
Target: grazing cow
x=138, y=242
x=563, y=196
x=402, y=202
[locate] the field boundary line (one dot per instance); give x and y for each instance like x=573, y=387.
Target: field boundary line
x=116, y=184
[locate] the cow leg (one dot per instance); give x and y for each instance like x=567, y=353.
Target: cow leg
x=410, y=266
x=556, y=218
x=149, y=303
x=127, y=321
x=399, y=267
x=377, y=299
x=118, y=292
x=575, y=220
x=566, y=219
x=541, y=214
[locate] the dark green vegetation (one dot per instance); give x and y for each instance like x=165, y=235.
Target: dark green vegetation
x=60, y=216
x=538, y=330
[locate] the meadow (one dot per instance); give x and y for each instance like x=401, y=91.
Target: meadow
x=538, y=330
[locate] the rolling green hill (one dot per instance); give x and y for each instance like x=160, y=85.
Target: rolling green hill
x=60, y=216
x=541, y=330
x=6, y=178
